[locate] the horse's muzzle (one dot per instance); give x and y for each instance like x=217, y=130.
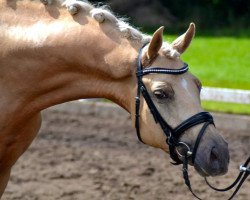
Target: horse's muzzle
x=212, y=157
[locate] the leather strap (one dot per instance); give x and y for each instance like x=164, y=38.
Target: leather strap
x=239, y=180
x=198, y=140
x=192, y=121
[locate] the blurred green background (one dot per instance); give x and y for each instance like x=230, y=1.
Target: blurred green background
x=219, y=55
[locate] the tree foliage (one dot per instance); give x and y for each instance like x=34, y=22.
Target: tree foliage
x=176, y=14
x=211, y=13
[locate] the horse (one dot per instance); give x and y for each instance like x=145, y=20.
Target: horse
x=55, y=53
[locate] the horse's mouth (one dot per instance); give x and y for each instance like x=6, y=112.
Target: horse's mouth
x=201, y=171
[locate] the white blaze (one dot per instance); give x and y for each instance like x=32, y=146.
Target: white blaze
x=184, y=84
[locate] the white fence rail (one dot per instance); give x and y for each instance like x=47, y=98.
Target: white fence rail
x=218, y=94
x=226, y=95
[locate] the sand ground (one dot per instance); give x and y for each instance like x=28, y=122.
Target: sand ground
x=90, y=157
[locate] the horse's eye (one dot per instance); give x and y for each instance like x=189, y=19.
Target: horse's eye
x=160, y=94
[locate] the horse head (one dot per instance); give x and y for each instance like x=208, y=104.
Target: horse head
x=175, y=96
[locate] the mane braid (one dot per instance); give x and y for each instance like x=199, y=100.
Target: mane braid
x=102, y=14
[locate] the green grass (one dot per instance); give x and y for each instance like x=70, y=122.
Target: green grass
x=226, y=107
x=219, y=61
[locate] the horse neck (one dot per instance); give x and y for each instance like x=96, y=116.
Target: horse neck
x=72, y=63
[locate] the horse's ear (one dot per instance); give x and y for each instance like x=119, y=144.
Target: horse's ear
x=182, y=42
x=155, y=43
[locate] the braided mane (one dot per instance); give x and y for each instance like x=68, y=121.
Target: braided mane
x=103, y=14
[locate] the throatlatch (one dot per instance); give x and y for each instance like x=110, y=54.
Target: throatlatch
x=173, y=134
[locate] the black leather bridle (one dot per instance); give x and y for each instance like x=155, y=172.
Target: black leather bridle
x=173, y=134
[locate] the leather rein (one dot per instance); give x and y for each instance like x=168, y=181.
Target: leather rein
x=173, y=134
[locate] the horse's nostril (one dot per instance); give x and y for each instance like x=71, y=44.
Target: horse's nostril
x=214, y=158
x=218, y=164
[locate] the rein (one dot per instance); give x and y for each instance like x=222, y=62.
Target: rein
x=173, y=134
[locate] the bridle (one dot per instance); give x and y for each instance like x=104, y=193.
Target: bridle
x=173, y=134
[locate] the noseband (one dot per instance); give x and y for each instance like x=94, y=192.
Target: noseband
x=173, y=134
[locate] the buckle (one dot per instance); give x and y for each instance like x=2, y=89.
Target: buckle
x=244, y=169
x=137, y=100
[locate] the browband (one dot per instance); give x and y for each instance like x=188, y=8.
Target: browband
x=158, y=70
